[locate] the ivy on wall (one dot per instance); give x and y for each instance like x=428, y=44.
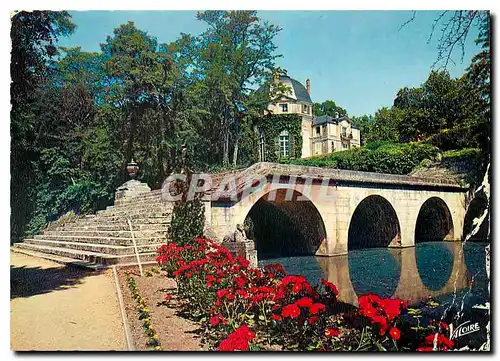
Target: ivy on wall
x=272, y=125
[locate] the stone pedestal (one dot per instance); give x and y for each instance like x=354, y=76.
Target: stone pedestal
x=131, y=189
x=245, y=249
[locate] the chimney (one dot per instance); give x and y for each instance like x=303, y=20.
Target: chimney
x=308, y=86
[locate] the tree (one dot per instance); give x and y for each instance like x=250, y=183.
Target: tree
x=365, y=125
x=232, y=58
x=440, y=103
x=385, y=125
x=144, y=99
x=328, y=107
x=479, y=71
x=33, y=35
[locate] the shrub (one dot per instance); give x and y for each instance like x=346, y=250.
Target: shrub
x=188, y=221
x=380, y=157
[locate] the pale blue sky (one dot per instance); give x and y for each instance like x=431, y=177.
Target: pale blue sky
x=357, y=58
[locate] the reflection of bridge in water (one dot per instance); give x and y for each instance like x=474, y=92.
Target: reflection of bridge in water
x=413, y=284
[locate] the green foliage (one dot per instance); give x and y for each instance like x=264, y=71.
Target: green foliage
x=33, y=35
x=188, y=221
x=392, y=158
x=479, y=72
x=440, y=103
x=227, y=62
x=465, y=153
x=272, y=125
x=328, y=107
x=467, y=136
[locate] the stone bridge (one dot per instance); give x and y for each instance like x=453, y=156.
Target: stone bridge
x=326, y=212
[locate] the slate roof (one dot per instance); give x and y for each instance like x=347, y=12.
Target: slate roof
x=298, y=91
x=329, y=119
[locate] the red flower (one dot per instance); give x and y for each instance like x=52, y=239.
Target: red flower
x=221, y=293
x=304, y=302
x=244, y=332
x=395, y=333
x=444, y=326
x=312, y=320
x=242, y=293
x=391, y=307
x=316, y=308
x=332, y=332
x=442, y=340
x=276, y=317
x=240, y=281
x=168, y=298
x=296, y=288
x=330, y=286
x=382, y=322
x=292, y=311
x=214, y=321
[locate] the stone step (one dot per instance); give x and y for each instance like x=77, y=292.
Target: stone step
x=124, y=221
x=115, y=241
x=133, y=214
x=87, y=256
x=139, y=207
x=116, y=227
x=157, y=197
x=95, y=247
x=59, y=259
x=125, y=233
x=143, y=201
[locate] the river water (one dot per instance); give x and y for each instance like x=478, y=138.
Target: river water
x=449, y=272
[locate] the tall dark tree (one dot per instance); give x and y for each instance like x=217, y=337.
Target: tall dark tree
x=33, y=35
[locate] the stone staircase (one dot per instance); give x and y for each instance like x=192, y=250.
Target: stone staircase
x=105, y=238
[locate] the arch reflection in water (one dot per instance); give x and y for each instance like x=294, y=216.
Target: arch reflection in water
x=434, y=263
x=399, y=277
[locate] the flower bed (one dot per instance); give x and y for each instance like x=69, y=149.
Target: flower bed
x=247, y=309
x=143, y=311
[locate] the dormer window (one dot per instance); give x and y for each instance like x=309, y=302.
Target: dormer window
x=305, y=109
x=284, y=108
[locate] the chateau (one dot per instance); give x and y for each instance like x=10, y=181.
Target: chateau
x=320, y=135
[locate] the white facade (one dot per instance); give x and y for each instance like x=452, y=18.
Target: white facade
x=320, y=135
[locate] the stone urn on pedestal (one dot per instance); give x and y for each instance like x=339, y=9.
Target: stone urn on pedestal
x=133, y=187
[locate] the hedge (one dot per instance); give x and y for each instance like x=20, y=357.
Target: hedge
x=381, y=157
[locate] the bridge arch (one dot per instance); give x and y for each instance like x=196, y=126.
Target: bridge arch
x=284, y=222
x=434, y=221
x=374, y=223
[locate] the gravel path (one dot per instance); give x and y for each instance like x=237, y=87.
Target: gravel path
x=54, y=307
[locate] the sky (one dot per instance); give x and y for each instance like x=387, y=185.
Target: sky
x=359, y=59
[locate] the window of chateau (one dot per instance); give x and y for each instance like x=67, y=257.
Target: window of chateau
x=284, y=107
x=284, y=144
